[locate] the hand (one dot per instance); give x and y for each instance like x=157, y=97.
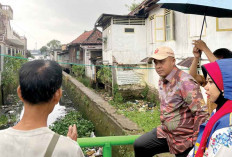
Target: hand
x=196, y=52
x=201, y=45
x=72, y=132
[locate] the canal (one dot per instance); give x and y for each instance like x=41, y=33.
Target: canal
x=13, y=111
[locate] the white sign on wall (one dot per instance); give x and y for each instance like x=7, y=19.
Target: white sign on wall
x=128, y=77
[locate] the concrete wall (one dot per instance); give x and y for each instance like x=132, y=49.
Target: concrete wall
x=127, y=48
x=88, y=69
x=104, y=117
x=107, y=45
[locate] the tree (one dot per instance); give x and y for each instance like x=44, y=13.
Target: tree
x=54, y=44
x=43, y=49
x=28, y=54
x=133, y=5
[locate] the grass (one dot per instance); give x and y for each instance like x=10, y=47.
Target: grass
x=145, y=118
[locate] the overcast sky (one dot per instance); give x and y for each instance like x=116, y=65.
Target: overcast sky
x=43, y=20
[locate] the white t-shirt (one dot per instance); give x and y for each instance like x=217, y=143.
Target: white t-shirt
x=34, y=143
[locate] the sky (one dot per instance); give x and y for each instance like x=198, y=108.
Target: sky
x=44, y=20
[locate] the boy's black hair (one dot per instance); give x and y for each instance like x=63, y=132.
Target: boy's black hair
x=222, y=53
x=39, y=80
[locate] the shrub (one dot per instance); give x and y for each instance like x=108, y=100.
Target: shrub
x=10, y=71
x=104, y=74
x=78, y=71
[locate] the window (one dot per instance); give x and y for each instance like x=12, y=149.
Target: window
x=78, y=54
x=164, y=26
x=128, y=21
x=159, y=28
x=224, y=24
x=9, y=51
x=129, y=30
x=169, y=35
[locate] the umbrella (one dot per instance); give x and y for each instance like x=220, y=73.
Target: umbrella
x=215, y=8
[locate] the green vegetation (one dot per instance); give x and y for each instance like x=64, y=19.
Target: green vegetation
x=104, y=74
x=10, y=71
x=145, y=118
x=79, y=74
x=84, y=127
x=3, y=120
x=12, y=119
x=86, y=81
x=133, y=5
x=117, y=96
x=78, y=71
x=54, y=44
x=145, y=92
x=43, y=49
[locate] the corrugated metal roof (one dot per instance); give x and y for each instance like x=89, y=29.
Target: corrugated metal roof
x=186, y=62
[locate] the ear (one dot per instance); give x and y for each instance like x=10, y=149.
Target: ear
x=174, y=61
x=19, y=94
x=57, y=95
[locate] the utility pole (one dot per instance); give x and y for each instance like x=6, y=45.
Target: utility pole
x=35, y=45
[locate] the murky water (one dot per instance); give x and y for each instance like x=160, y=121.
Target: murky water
x=57, y=112
x=14, y=110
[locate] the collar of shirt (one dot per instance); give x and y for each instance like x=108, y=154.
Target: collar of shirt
x=170, y=76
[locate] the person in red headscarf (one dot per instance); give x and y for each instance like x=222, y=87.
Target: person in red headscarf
x=215, y=136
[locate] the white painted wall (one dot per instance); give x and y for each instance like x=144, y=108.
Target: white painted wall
x=88, y=69
x=127, y=48
x=107, y=45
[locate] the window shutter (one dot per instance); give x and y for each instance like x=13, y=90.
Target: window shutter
x=159, y=28
x=169, y=25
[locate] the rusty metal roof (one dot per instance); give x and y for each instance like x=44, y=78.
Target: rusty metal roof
x=186, y=62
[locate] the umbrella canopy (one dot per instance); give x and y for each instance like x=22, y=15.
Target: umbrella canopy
x=215, y=8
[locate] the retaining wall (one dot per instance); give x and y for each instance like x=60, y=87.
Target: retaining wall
x=104, y=117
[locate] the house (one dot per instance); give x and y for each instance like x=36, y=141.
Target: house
x=54, y=54
x=63, y=57
x=87, y=49
x=162, y=27
x=10, y=42
x=124, y=45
